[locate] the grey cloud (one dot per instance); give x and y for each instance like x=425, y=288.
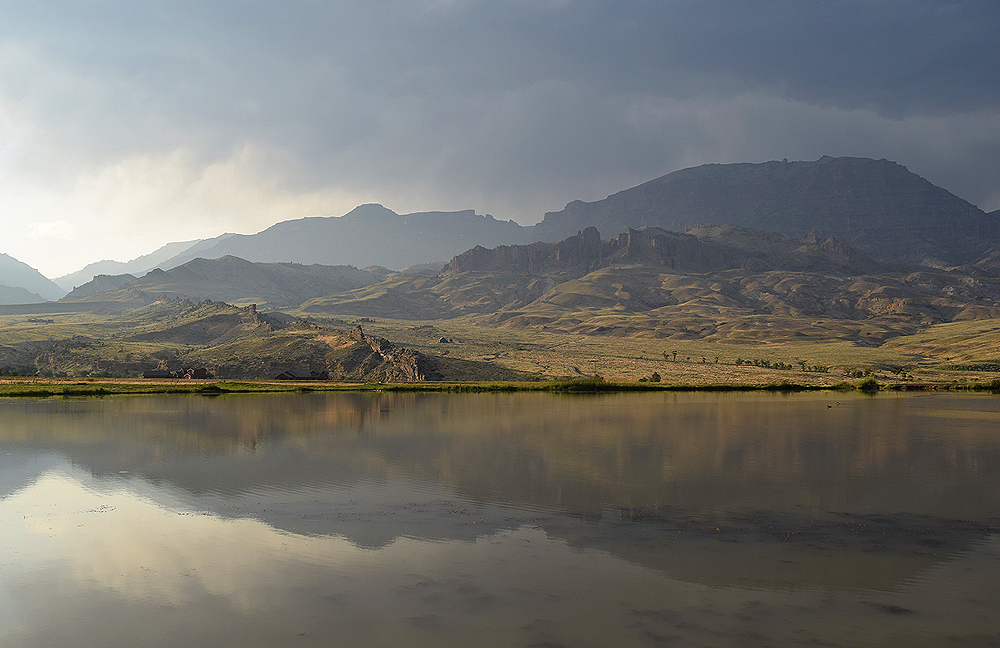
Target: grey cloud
x=885, y=55
x=521, y=104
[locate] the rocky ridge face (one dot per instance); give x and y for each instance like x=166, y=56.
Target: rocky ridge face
x=411, y=364
x=583, y=249
x=706, y=249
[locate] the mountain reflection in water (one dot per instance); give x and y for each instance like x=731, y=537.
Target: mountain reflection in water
x=380, y=519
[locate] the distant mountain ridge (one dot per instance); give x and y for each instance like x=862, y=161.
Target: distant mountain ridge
x=877, y=206
x=14, y=275
x=369, y=235
x=163, y=258
x=102, y=283
x=18, y=295
x=229, y=279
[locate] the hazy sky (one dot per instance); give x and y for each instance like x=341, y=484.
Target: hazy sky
x=127, y=125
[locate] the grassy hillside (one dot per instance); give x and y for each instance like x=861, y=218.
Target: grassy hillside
x=734, y=306
x=238, y=343
x=230, y=342
x=550, y=353
x=969, y=342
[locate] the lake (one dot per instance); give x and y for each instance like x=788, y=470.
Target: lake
x=371, y=519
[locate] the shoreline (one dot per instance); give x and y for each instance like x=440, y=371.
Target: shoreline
x=33, y=387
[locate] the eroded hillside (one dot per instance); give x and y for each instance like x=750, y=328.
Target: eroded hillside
x=173, y=335
x=723, y=283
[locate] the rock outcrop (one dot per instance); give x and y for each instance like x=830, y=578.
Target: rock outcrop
x=582, y=250
x=411, y=364
x=704, y=249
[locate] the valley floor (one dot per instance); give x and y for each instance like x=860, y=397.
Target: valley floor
x=938, y=355
x=241, y=344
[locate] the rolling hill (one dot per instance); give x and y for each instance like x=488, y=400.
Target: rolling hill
x=230, y=342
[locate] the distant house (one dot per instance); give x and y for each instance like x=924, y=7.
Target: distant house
x=157, y=373
x=294, y=374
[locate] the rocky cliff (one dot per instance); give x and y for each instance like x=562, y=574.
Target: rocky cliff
x=582, y=249
x=704, y=249
x=406, y=363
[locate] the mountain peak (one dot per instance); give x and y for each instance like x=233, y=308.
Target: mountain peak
x=877, y=206
x=369, y=210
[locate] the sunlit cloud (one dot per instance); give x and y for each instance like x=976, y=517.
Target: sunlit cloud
x=241, y=193
x=60, y=229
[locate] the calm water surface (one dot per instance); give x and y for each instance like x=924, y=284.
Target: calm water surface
x=500, y=520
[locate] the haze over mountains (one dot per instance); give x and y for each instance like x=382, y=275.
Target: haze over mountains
x=877, y=207
x=162, y=258
x=369, y=235
x=20, y=283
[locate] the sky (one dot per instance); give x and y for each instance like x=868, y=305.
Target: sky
x=125, y=125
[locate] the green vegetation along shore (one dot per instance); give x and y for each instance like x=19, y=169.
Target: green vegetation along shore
x=34, y=387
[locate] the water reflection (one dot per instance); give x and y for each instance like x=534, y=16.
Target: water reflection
x=379, y=519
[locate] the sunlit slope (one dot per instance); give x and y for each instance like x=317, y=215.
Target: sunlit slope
x=735, y=305
x=237, y=281
x=229, y=341
x=968, y=341
x=434, y=297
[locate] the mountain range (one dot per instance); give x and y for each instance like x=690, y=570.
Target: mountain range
x=163, y=258
x=369, y=235
x=877, y=207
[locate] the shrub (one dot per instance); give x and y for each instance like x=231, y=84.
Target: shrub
x=868, y=385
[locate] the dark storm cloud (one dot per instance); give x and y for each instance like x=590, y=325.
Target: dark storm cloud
x=518, y=105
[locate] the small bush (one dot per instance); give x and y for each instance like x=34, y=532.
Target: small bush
x=868, y=385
